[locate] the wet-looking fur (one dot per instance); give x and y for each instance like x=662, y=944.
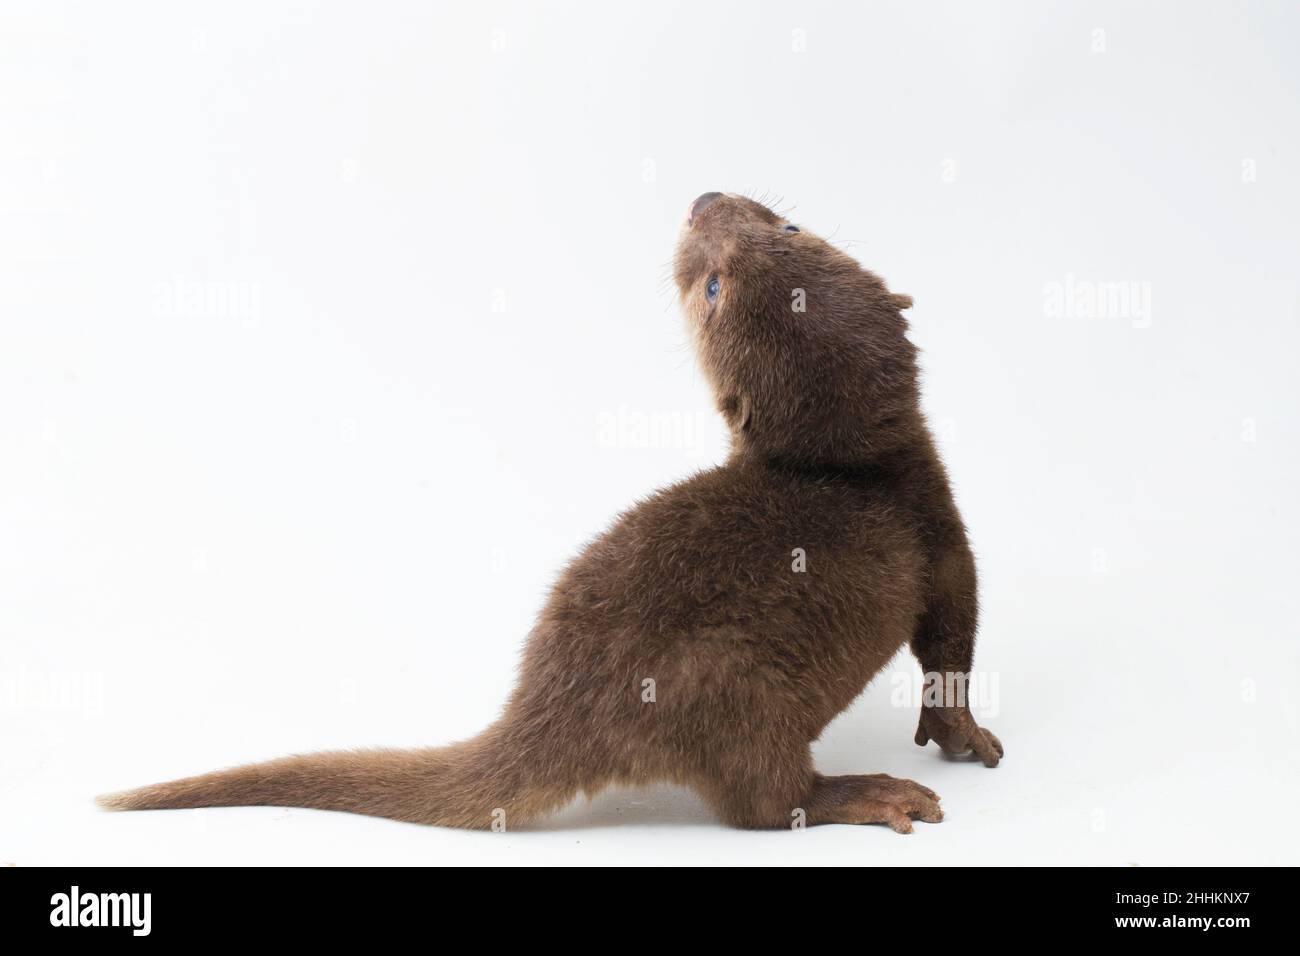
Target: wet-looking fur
x=692, y=643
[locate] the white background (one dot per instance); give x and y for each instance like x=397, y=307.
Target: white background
x=329, y=333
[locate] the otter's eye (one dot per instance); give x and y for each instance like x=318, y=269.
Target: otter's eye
x=712, y=289
x=791, y=228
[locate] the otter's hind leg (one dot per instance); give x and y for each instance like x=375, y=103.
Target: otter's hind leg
x=873, y=798
x=767, y=787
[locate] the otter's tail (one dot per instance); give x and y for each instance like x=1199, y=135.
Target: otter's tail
x=471, y=784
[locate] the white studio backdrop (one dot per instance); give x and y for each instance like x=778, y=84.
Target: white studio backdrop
x=330, y=332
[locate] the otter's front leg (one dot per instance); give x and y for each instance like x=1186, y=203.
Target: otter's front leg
x=944, y=643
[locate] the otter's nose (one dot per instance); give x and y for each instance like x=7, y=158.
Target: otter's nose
x=697, y=207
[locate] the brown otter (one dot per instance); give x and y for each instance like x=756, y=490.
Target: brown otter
x=684, y=644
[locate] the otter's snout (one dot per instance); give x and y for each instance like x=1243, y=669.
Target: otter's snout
x=697, y=207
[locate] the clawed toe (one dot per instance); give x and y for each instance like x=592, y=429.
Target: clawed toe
x=900, y=814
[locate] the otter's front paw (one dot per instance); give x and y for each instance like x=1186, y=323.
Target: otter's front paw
x=955, y=730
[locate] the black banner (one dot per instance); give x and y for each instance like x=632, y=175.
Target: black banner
x=211, y=905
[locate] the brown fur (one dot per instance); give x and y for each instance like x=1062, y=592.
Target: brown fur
x=695, y=588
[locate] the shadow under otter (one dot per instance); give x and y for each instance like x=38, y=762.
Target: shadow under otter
x=685, y=645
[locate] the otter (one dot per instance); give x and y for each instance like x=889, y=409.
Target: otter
x=685, y=645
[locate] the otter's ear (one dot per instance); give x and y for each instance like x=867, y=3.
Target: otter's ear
x=738, y=411
x=901, y=302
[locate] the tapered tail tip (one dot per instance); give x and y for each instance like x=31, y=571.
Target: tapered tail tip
x=120, y=800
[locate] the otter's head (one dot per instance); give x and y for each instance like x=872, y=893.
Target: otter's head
x=806, y=350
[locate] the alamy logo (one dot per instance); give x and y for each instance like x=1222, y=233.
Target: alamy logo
x=1086, y=299
x=102, y=909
